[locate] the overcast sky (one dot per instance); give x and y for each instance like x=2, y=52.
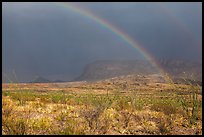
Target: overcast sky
x=49, y=40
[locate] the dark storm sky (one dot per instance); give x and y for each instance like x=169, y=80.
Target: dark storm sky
x=44, y=39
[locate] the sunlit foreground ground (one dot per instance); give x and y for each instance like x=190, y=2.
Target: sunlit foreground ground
x=104, y=107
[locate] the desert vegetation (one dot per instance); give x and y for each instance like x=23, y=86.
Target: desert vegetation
x=103, y=107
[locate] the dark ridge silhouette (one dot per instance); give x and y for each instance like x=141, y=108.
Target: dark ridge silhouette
x=44, y=80
x=40, y=80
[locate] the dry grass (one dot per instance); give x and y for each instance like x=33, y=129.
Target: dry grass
x=101, y=108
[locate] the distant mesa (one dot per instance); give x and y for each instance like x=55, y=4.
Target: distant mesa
x=44, y=80
x=40, y=80
x=105, y=69
x=56, y=81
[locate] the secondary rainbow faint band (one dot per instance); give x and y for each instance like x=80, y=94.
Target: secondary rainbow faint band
x=180, y=25
x=121, y=34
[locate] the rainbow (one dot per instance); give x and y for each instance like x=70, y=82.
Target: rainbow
x=118, y=32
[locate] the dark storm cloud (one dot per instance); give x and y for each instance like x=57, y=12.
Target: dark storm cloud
x=54, y=42
x=171, y=29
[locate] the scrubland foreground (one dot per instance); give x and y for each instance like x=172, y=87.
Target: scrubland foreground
x=104, y=107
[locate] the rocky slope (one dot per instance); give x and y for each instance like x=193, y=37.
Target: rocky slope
x=178, y=69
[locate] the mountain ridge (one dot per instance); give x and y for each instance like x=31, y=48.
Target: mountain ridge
x=103, y=69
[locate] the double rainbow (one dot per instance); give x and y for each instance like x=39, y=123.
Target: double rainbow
x=117, y=32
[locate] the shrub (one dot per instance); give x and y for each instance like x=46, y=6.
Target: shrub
x=193, y=112
x=15, y=126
